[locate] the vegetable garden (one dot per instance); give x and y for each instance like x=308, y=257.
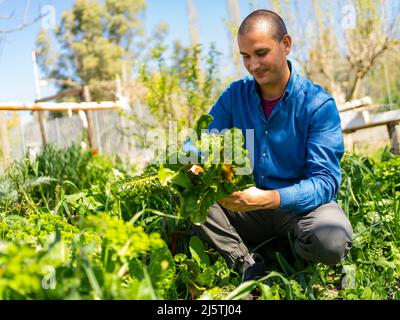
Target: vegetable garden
x=77, y=225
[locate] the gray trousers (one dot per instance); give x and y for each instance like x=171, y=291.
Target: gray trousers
x=322, y=235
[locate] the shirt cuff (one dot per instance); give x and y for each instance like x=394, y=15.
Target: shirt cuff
x=288, y=198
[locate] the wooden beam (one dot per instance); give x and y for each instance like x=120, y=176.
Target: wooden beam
x=369, y=125
x=59, y=106
x=364, y=120
x=355, y=104
x=68, y=83
x=361, y=108
x=65, y=93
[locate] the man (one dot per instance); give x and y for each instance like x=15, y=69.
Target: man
x=298, y=146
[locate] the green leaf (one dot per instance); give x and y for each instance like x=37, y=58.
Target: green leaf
x=38, y=181
x=196, y=248
x=145, y=290
x=166, y=175
x=203, y=123
x=182, y=180
x=162, y=270
x=206, y=278
x=242, y=291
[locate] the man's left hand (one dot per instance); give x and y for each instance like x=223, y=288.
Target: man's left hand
x=252, y=199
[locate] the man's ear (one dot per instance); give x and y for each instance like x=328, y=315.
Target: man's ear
x=287, y=44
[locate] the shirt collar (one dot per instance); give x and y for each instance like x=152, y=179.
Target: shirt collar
x=290, y=85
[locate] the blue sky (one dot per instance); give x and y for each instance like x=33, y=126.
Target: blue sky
x=16, y=74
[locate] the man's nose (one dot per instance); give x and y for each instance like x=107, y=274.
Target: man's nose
x=254, y=64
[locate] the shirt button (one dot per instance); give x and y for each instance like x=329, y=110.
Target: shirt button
x=262, y=177
x=264, y=154
x=266, y=132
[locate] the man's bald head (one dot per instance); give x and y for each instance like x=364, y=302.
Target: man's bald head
x=264, y=19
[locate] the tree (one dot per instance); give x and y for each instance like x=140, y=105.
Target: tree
x=387, y=89
x=24, y=22
x=95, y=40
x=193, y=22
x=338, y=44
x=184, y=88
x=369, y=42
x=5, y=151
x=233, y=26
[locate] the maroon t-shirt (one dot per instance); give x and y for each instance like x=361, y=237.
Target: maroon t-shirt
x=268, y=106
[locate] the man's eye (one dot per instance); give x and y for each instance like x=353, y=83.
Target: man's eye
x=261, y=54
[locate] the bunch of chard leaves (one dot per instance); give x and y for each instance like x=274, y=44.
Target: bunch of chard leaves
x=178, y=188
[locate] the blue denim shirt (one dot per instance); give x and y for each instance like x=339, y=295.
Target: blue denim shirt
x=297, y=151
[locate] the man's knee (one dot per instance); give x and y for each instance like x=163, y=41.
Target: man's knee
x=330, y=245
x=327, y=239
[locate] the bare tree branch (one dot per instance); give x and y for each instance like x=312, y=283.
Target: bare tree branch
x=69, y=83
x=24, y=24
x=7, y=18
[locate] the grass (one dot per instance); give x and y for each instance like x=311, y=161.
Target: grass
x=66, y=231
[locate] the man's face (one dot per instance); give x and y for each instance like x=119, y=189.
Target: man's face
x=263, y=56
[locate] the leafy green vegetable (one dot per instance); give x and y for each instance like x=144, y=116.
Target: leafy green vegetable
x=96, y=231
x=176, y=189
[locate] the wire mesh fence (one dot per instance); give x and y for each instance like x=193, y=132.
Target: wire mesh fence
x=114, y=135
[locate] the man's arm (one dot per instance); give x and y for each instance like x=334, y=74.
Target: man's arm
x=324, y=151
x=222, y=111
x=252, y=199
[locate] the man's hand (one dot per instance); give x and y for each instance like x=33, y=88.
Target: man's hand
x=248, y=200
x=252, y=199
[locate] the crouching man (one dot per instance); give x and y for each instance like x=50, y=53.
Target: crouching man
x=298, y=145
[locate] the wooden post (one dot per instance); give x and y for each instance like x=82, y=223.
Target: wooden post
x=22, y=132
x=98, y=133
x=89, y=116
x=43, y=129
x=4, y=140
x=41, y=119
x=393, y=138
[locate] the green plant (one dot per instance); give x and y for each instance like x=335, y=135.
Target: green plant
x=180, y=91
x=107, y=234
x=176, y=189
